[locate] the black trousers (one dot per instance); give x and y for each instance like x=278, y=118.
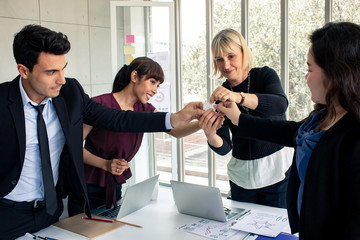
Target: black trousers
x=19, y=218
x=273, y=195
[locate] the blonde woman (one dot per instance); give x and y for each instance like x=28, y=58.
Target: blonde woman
x=258, y=170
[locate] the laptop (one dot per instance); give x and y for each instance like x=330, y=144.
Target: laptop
x=202, y=201
x=136, y=197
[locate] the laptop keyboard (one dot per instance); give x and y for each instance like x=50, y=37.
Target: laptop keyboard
x=111, y=213
x=230, y=215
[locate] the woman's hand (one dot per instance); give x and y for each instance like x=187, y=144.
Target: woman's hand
x=210, y=122
x=231, y=110
x=224, y=95
x=117, y=166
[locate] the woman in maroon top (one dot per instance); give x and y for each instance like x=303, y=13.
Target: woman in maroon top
x=107, y=154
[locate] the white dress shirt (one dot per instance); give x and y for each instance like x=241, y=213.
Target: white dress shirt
x=30, y=185
x=262, y=172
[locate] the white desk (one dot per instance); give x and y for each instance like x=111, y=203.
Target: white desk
x=159, y=219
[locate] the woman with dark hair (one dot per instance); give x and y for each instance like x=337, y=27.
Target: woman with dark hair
x=323, y=197
x=107, y=154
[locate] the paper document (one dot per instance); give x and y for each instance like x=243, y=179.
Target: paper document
x=214, y=230
x=208, y=105
x=27, y=236
x=262, y=223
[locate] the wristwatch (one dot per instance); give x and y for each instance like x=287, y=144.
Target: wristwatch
x=242, y=98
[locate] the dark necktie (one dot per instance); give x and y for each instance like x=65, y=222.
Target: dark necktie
x=48, y=180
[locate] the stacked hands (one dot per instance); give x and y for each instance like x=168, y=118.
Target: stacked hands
x=210, y=116
x=212, y=120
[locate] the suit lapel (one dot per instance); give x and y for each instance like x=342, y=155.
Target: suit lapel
x=64, y=119
x=61, y=111
x=16, y=108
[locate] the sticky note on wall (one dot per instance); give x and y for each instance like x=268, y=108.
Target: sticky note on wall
x=130, y=38
x=128, y=50
x=130, y=59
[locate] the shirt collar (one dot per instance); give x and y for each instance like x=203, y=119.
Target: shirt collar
x=26, y=99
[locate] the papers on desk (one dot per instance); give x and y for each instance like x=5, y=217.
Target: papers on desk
x=51, y=233
x=262, y=223
x=246, y=227
x=215, y=230
x=27, y=236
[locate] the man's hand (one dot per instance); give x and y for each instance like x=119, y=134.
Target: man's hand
x=193, y=110
x=231, y=110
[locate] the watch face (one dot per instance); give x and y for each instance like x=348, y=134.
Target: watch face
x=242, y=97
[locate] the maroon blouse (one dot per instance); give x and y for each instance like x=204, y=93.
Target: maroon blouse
x=110, y=145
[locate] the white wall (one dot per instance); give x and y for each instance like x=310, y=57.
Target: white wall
x=85, y=22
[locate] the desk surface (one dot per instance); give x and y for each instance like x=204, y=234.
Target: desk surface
x=159, y=219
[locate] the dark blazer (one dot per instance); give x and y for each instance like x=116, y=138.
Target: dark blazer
x=331, y=198
x=73, y=108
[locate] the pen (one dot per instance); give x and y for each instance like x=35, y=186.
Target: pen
x=98, y=219
x=39, y=237
x=131, y=224
x=46, y=238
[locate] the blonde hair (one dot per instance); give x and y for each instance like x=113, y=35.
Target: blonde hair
x=222, y=43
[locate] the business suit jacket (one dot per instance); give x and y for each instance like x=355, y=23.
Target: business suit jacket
x=331, y=198
x=73, y=108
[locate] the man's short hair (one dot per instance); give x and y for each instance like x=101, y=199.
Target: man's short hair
x=34, y=39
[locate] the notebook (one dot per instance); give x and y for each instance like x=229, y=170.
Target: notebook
x=202, y=201
x=89, y=229
x=136, y=197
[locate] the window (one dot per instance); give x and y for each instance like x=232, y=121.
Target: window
x=264, y=33
x=346, y=11
x=193, y=71
x=227, y=14
x=304, y=17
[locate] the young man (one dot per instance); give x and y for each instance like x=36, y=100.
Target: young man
x=36, y=174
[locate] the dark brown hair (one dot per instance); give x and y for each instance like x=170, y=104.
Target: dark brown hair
x=336, y=49
x=34, y=39
x=144, y=66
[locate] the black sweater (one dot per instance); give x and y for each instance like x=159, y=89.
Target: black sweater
x=265, y=83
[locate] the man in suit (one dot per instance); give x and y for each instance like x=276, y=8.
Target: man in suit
x=40, y=56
